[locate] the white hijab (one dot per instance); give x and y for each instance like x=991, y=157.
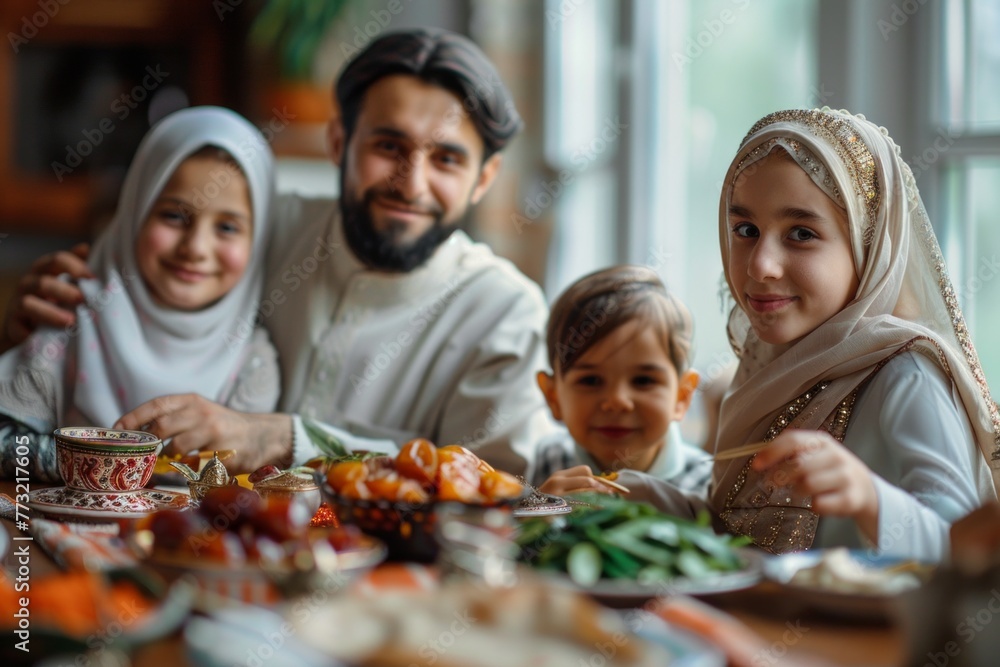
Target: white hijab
x=904, y=295
x=126, y=349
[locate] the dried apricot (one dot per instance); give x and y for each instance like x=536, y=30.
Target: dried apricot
x=455, y=462
x=457, y=481
x=497, y=485
x=452, y=451
x=385, y=485
x=418, y=459
x=410, y=491
x=356, y=489
x=378, y=465
x=341, y=474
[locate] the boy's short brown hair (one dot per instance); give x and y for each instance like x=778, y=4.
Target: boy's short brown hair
x=600, y=302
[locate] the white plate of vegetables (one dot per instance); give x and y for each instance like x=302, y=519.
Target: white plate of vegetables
x=621, y=551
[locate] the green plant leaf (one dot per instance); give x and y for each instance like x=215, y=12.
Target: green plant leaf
x=325, y=441
x=294, y=30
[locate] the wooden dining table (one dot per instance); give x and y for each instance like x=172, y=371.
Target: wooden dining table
x=790, y=635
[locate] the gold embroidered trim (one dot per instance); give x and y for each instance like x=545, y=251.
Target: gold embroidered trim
x=961, y=330
x=837, y=130
x=836, y=425
x=777, y=426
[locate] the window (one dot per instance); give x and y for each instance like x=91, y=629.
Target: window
x=734, y=63
x=968, y=167
x=582, y=139
x=689, y=78
x=673, y=86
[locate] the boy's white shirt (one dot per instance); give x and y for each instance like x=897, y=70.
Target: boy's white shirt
x=669, y=461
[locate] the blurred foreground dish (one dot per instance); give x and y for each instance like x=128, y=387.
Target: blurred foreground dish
x=83, y=614
x=241, y=546
x=459, y=625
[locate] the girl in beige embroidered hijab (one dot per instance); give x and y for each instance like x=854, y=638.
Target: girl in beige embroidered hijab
x=855, y=363
x=854, y=357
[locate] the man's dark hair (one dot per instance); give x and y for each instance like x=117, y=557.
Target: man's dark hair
x=442, y=58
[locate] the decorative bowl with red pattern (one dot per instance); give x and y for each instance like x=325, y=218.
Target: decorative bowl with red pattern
x=105, y=460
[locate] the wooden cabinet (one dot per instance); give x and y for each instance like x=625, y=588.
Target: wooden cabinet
x=82, y=79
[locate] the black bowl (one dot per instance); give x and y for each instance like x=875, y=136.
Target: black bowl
x=407, y=529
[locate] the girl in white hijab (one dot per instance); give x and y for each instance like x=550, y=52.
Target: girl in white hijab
x=178, y=274
x=856, y=365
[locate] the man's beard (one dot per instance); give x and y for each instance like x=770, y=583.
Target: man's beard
x=381, y=250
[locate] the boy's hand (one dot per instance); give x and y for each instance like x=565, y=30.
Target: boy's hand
x=42, y=298
x=573, y=480
x=813, y=463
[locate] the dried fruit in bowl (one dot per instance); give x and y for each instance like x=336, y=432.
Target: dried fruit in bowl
x=394, y=499
x=497, y=484
x=229, y=506
x=411, y=491
x=458, y=452
x=233, y=526
x=385, y=484
x=418, y=459
x=421, y=473
x=339, y=475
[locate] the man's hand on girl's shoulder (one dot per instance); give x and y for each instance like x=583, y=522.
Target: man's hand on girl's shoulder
x=43, y=297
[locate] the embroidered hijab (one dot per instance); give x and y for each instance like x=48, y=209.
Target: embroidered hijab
x=905, y=299
x=125, y=348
